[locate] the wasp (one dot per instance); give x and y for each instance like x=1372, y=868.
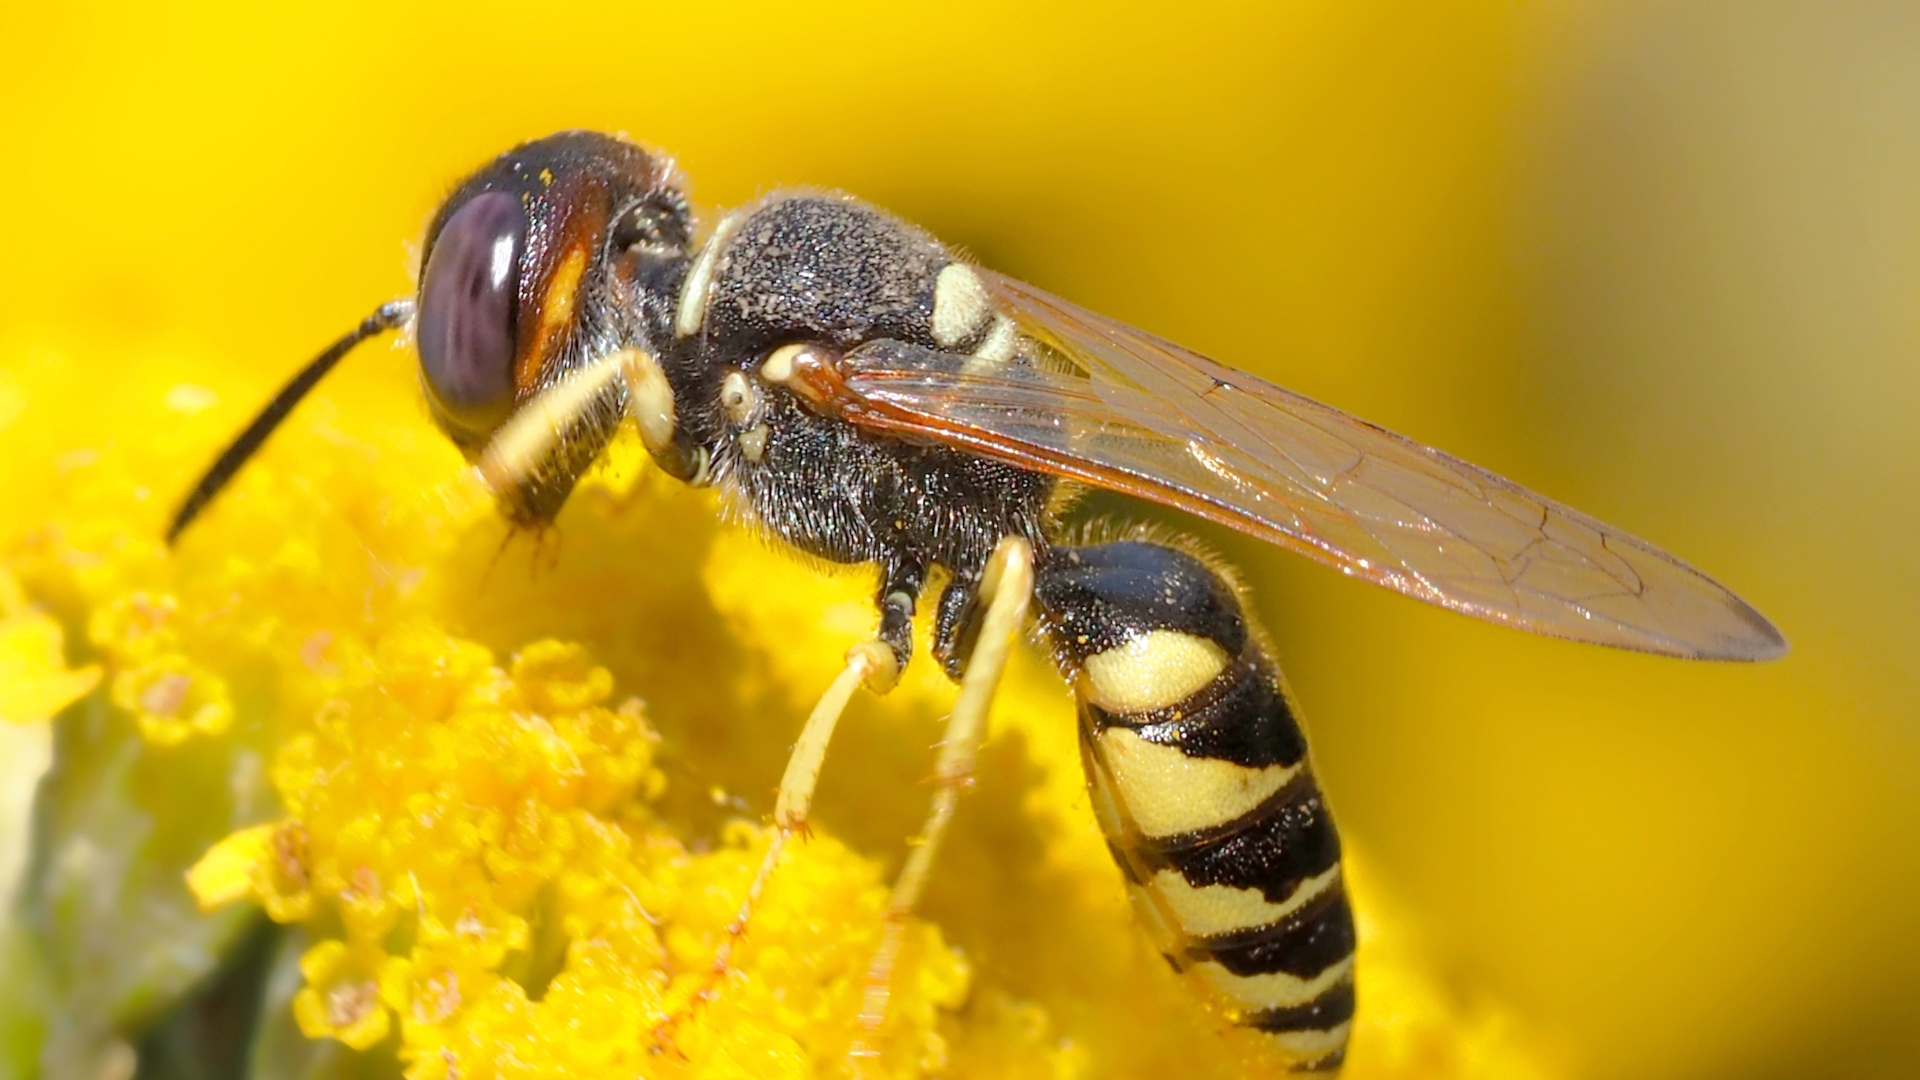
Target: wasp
x=858, y=391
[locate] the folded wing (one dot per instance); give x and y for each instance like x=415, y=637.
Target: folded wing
x=1097, y=401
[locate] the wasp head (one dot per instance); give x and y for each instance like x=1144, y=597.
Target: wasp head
x=554, y=256
x=550, y=274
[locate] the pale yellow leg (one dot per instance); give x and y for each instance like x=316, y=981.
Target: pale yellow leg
x=1008, y=583
x=871, y=663
x=533, y=431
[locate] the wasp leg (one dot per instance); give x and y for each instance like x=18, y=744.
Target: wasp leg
x=1008, y=584
x=532, y=461
x=956, y=625
x=899, y=591
x=870, y=662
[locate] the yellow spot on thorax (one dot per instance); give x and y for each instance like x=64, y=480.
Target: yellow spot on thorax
x=960, y=304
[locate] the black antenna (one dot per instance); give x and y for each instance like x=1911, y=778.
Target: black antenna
x=385, y=317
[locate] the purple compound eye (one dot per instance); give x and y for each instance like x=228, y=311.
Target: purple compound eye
x=467, y=313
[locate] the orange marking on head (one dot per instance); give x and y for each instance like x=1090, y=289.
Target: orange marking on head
x=556, y=312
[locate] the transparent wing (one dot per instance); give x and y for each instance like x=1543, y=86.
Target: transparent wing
x=1098, y=401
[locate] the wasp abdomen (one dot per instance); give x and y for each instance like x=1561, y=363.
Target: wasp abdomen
x=1200, y=778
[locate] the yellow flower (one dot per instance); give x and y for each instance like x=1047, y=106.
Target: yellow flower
x=342, y=998
x=173, y=700
x=511, y=789
x=268, y=864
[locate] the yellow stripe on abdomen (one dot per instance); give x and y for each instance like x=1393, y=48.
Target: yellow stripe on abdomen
x=1155, y=670
x=1165, y=792
x=1222, y=909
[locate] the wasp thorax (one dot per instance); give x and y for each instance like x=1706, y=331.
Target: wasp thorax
x=468, y=312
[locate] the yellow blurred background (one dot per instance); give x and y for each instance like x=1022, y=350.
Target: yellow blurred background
x=1658, y=259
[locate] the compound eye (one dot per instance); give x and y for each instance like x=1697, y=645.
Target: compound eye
x=467, y=312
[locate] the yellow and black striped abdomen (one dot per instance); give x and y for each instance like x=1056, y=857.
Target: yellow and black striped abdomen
x=1200, y=778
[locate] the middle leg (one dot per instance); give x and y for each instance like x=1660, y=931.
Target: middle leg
x=1008, y=587
x=872, y=663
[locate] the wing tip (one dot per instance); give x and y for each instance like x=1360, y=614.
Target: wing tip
x=1758, y=639
x=1740, y=635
